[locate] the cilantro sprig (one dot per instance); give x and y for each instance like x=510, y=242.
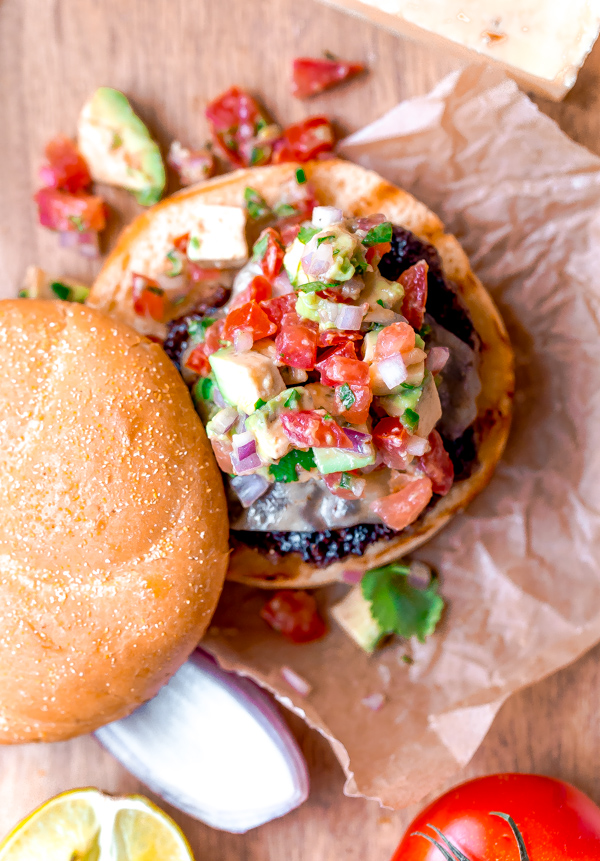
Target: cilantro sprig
x=379, y=233
x=285, y=469
x=397, y=606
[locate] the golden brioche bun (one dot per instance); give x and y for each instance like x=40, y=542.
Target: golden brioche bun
x=356, y=191
x=113, y=527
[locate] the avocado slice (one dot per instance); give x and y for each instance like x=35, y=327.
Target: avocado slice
x=118, y=148
x=353, y=614
x=341, y=459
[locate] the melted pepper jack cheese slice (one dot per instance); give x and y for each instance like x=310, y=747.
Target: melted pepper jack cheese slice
x=541, y=43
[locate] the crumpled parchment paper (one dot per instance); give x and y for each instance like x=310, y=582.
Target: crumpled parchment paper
x=520, y=569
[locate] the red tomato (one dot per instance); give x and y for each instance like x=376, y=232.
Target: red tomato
x=222, y=450
x=304, y=141
x=556, y=821
x=201, y=273
x=339, y=367
x=66, y=168
x=198, y=359
x=390, y=437
x=60, y=210
x=310, y=76
x=308, y=428
x=277, y=308
x=272, y=259
x=437, y=465
x=358, y=413
x=400, y=509
x=289, y=230
x=251, y=318
x=235, y=120
x=258, y=290
x=296, y=342
x=333, y=337
x=345, y=485
x=295, y=615
x=414, y=281
x=181, y=243
x=394, y=339
x=376, y=252
x=149, y=299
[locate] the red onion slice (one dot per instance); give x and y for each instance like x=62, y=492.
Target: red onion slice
x=325, y=216
x=249, y=488
x=392, y=371
x=349, y=317
x=360, y=441
x=213, y=745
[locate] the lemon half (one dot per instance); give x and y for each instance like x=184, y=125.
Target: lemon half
x=87, y=825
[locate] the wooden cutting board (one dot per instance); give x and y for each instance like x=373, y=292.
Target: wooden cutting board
x=171, y=56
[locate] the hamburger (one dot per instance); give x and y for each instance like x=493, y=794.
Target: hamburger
x=354, y=376
x=113, y=529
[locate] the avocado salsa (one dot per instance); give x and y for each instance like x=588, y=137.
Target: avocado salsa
x=332, y=381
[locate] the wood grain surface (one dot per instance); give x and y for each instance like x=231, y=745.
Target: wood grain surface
x=171, y=56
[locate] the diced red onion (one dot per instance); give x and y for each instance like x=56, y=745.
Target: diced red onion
x=242, y=340
x=352, y=288
x=249, y=488
x=324, y=216
x=417, y=446
x=244, y=444
x=352, y=575
x=364, y=224
x=349, y=317
x=383, y=315
x=360, y=441
x=186, y=743
x=437, y=358
x=374, y=701
x=217, y=396
x=317, y=261
x=224, y=420
x=245, y=465
x=295, y=681
x=282, y=285
x=392, y=371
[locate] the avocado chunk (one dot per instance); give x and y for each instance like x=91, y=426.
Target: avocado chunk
x=397, y=404
x=341, y=459
x=271, y=441
x=353, y=614
x=118, y=148
x=245, y=378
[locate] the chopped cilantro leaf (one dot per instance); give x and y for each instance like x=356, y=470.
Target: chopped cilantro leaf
x=329, y=55
x=347, y=396
x=380, y=233
x=197, y=328
x=300, y=176
x=260, y=403
x=410, y=420
x=408, y=386
x=258, y=155
x=322, y=239
x=315, y=286
x=285, y=469
x=204, y=388
x=285, y=209
x=376, y=327
x=345, y=481
x=256, y=205
x=260, y=124
x=62, y=291
x=305, y=234
x=260, y=248
x=293, y=400
x=359, y=262
x=77, y=221
x=425, y=330
x=176, y=262
x=397, y=606
x=194, y=245
x=381, y=302
x=23, y=294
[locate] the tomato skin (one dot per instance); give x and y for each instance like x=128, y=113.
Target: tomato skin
x=296, y=342
x=295, y=615
x=277, y=308
x=414, y=281
x=304, y=141
x=359, y=411
x=376, y=252
x=394, y=339
x=251, y=318
x=437, y=465
x=391, y=438
x=340, y=365
x=62, y=211
x=272, y=259
x=556, y=820
x=66, y=168
x=335, y=337
x=258, y=290
x=308, y=428
x=313, y=75
x=149, y=299
x=235, y=119
x=400, y=509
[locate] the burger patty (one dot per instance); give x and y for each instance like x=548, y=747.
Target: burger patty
x=323, y=548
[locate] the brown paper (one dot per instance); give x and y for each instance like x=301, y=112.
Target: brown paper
x=520, y=569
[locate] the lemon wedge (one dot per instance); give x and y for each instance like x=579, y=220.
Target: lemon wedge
x=87, y=825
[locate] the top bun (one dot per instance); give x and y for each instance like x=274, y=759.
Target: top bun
x=113, y=524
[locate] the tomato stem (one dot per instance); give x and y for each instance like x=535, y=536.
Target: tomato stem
x=523, y=856
x=457, y=855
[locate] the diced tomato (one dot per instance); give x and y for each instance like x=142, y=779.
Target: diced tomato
x=198, y=359
x=333, y=337
x=376, y=252
x=391, y=438
x=66, y=168
x=272, y=259
x=181, y=242
x=437, y=465
x=345, y=485
x=235, y=119
x=251, y=318
x=295, y=615
x=222, y=450
x=198, y=274
x=400, y=509
x=289, y=230
x=277, y=308
x=258, y=290
x=394, y=339
x=60, y=210
x=414, y=281
x=311, y=75
x=149, y=300
x=308, y=428
x=304, y=141
x=358, y=413
x=296, y=342
x=340, y=365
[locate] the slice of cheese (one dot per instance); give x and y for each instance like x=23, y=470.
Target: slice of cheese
x=541, y=43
